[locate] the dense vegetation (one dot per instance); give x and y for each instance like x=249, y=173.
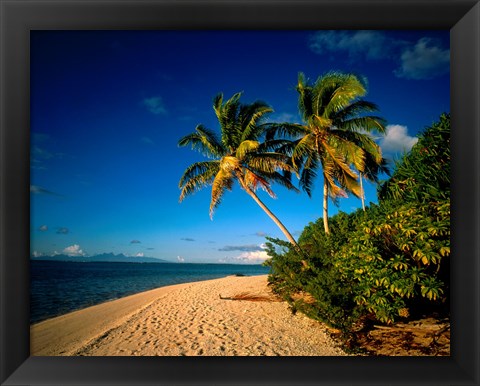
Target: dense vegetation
x=383, y=264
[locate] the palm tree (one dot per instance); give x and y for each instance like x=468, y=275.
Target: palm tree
x=237, y=156
x=335, y=136
x=371, y=172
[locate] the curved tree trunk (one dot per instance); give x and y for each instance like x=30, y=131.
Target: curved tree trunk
x=325, y=207
x=287, y=234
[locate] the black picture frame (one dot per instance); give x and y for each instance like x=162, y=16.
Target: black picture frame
x=19, y=17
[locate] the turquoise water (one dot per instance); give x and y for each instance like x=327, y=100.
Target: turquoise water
x=58, y=287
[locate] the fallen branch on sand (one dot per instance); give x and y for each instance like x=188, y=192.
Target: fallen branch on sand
x=250, y=297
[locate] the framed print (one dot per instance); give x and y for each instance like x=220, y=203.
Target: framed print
x=76, y=193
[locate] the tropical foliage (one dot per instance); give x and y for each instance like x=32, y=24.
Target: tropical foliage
x=335, y=136
x=239, y=154
x=386, y=263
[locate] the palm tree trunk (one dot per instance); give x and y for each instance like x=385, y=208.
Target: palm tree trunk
x=287, y=234
x=362, y=192
x=325, y=207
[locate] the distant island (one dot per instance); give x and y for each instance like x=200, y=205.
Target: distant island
x=104, y=257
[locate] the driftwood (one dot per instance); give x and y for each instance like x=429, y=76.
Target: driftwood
x=250, y=297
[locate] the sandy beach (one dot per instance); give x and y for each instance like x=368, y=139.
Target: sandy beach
x=193, y=319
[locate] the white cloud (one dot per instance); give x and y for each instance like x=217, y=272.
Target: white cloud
x=37, y=254
x=253, y=257
x=43, y=228
x=140, y=254
x=155, y=105
x=425, y=60
x=257, y=256
x=63, y=231
x=371, y=44
x=245, y=248
x=74, y=250
x=397, y=140
x=180, y=259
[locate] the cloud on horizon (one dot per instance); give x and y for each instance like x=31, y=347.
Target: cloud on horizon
x=397, y=140
x=74, y=250
x=242, y=248
x=256, y=257
x=43, y=228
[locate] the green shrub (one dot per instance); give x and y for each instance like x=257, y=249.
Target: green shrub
x=386, y=263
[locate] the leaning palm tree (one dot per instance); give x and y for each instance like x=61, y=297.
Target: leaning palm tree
x=239, y=155
x=335, y=136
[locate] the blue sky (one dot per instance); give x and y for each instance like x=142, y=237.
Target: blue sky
x=108, y=109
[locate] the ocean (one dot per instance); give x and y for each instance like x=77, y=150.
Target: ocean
x=59, y=287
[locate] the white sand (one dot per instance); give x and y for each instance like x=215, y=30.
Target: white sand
x=186, y=319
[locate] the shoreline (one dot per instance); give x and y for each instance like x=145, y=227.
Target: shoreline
x=195, y=318
x=50, y=299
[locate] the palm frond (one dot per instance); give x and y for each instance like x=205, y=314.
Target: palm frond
x=321, y=122
x=246, y=147
x=284, y=179
x=223, y=181
x=308, y=175
x=329, y=175
x=274, y=145
x=197, y=176
x=203, y=140
x=284, y=130
x=230, y=163
x=303, y=147
x=305, y=100
x=362, y=140
x=254, y=180
x=338, y=161
x=368, y=123
x=335, y=91
x=373, y=169
x=269, y=162
x=227, y=114
x=351, y=152
x=250, y=116
x=217, y=105
x=355, y=109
